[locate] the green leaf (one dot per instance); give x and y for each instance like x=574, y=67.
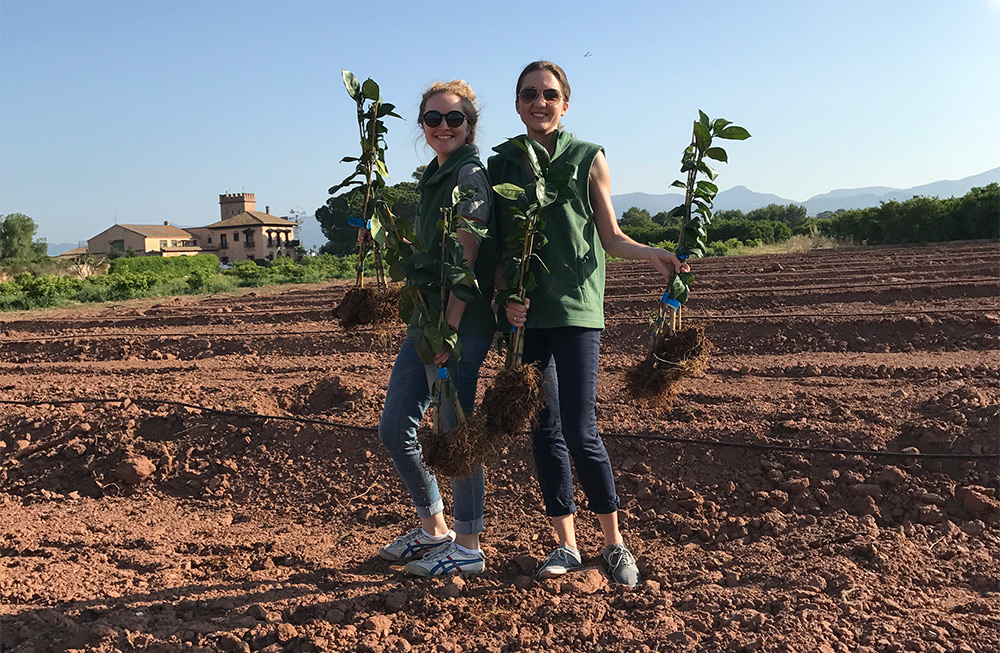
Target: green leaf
x=705, y=168
x=708, y=186
x=717, y=153
x=351, y=84
x=381, y=169
x=463, y=193
x=465, y=293
x=370, y=89
x=701, y=136
x=533, y=157
x=508, y=191
x=434, y=338
x=680, y=209
x=703, y=119
x=720, y=124
x=406, y=302
x=734, y=133
x=679, y=184
x=541, y=264
x=386, y=109
x=424, y=351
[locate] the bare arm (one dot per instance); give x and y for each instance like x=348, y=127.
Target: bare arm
x=615, y=241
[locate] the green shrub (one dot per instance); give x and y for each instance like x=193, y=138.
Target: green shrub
x=166, y=268
x=129, y=285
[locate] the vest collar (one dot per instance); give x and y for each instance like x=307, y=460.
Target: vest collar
x=434, y=174
x=510, y=151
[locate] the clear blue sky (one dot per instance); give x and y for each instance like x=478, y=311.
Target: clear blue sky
x=148, y=110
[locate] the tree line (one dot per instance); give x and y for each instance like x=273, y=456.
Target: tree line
x=974, y=216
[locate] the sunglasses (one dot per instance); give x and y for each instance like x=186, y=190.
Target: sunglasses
x=453, y=118
x=529, y=94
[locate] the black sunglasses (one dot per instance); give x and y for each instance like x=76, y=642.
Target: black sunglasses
x=453, y=118
x=529, y=94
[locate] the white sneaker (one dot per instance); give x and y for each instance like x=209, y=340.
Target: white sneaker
x=447, y=560
x=413, y=545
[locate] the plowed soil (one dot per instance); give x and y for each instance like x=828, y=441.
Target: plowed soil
x=247, y=514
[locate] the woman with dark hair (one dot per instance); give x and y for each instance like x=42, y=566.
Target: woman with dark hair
x=448, y=116
x=563, y=318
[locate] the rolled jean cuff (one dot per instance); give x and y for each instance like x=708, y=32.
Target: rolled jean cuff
x=604, y=509
x=469, y=527
x=561, y=511
x=424, y=512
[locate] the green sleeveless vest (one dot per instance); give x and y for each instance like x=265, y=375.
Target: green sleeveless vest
x=435, y=187
x=572, y=294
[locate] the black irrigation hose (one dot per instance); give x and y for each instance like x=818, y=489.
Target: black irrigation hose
x=278, y=334
x=631, y=436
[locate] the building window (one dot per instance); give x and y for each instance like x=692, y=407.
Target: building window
x=163, y=244
x=117, y=244
x=209, y=241
x=236, y=236
x=222, y=241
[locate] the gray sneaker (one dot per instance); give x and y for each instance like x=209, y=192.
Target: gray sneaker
x=559, y=562
x=621, y=565
x=413, y=546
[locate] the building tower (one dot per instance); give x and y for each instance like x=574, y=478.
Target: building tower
x=235, y=203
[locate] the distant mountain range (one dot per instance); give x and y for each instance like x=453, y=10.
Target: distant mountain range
x=738, y=197
x=744, y=199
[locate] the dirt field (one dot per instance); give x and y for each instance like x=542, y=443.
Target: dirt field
x=127, y=524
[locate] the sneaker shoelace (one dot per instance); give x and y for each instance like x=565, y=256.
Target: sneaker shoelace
x=562, y=556
x=406, y=538
x=620, y=556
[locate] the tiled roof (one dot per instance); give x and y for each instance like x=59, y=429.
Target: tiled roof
x=76, y=251
x=251, y=218
x=157, y=230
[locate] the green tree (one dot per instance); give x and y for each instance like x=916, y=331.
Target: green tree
x=791, y=214
x=665, y=219
x=342, y=239
x=636, y=217
x=17, y=233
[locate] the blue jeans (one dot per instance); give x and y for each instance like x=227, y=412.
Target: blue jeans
x=567, y=357
x=406, y=400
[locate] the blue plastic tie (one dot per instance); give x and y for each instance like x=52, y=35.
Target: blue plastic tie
x=682, y=257
x=442, y=372
x=672, y=303
x=357, y=222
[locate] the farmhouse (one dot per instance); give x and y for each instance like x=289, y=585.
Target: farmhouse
x=242, y=233
x=144, y=239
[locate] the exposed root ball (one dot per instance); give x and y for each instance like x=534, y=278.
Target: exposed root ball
x=368, y=306
x=512, y=403
x=452, y=454
x=657, y=378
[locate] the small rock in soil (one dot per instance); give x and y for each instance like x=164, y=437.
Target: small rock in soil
x=135, y=469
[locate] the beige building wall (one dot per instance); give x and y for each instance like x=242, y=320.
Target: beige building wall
x=118, y=237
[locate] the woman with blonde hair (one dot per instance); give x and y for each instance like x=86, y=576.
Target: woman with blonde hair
x=448, y=117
